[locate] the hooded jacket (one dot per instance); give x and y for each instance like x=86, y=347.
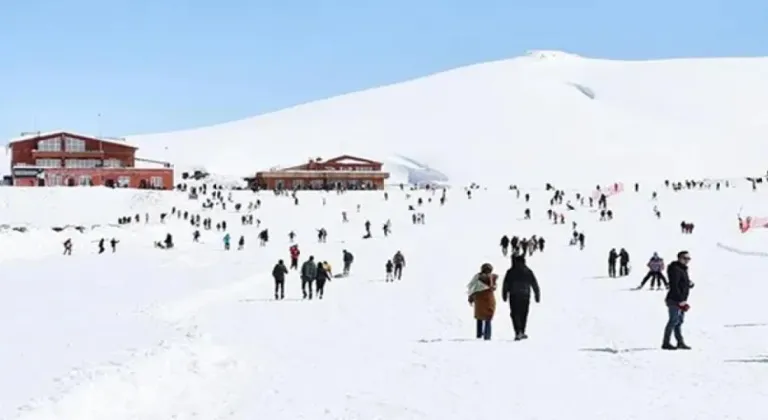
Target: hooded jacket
x=519, y=280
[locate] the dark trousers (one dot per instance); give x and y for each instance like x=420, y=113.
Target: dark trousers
x=611, y=270
x=398, y=271
x=294, y=263
x=279, y=289
x=518, y=311
x=656, y=278
x=320, y=287
x=306, y=287
x=674, y=324
x=347, y=266
x=623, y=270
x=484, y=329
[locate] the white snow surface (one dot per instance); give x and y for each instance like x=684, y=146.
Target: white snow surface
x=193, y=333
x=548, y=116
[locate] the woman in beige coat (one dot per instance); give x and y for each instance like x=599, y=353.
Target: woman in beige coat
x=481, y=294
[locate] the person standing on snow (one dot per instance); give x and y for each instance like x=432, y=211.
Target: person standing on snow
x=613, y=256
x=389, y=267
x=294, y=250
x=226, y=241
x=278, y=273
x=323, y=275
x=623, y=262
x=481, y=295
x=348, y=258
x=504, y=245
x=677, y=301
x=399, y=261
x=308, y=275
x=516, y=288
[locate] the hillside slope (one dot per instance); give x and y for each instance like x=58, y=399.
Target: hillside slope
x=594, y=120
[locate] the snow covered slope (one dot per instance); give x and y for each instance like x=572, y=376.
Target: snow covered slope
x=546, y=116
x=193, y=333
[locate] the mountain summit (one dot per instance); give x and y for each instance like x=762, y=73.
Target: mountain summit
x=576, y=120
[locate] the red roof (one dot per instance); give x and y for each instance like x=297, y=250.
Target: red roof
x=52, y=134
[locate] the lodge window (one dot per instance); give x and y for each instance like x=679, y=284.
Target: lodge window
x=48, y=163
x=85, y=180
x=55, y=180
x=113, y=163
x=82, y=163
x=72, y=144
x=123, y=181
x=49, y=145
x=156, y=181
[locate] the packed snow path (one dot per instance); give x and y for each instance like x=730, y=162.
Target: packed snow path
x=194, y=332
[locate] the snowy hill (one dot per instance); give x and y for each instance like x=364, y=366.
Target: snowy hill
x=194, y=332
x=545, y=116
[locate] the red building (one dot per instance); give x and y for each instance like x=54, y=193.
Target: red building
x=343, y=172
x=67, y=159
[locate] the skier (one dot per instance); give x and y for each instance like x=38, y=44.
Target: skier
x=279, y=273
x=241, y=243
x=67, y=247
x=113, y=243
x=226, y=241
x=655, y=273
x=101, y=246
x=389, y=267
x=517, y=286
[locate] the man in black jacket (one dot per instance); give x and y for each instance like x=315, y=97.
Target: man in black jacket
x=279, y=273
x=677, y=300
x=517, y=286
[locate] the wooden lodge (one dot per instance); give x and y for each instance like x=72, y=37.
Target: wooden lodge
x=343, y=172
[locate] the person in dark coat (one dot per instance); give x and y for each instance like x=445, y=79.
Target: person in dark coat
x=677, y=300
x=517, y=286
x=613, y=256
x=348, y=258
x=323, y=275
x=278, y=273
x=308, y=275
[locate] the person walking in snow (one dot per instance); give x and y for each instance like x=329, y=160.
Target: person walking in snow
x=504, y=245
x=294, y=250
x=101, y=246
x=67, y=247
x=113, y=243
x=323, y=275
x=677, y=301
x=481, y=295
x=241, y=243
x=308, y=275
x=348, y=258
x=517, y=286
x=278, y=273
x=227, y=238
x=399, y=261
x=388, y=268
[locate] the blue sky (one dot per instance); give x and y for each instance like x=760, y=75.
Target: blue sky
x=159, y=65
